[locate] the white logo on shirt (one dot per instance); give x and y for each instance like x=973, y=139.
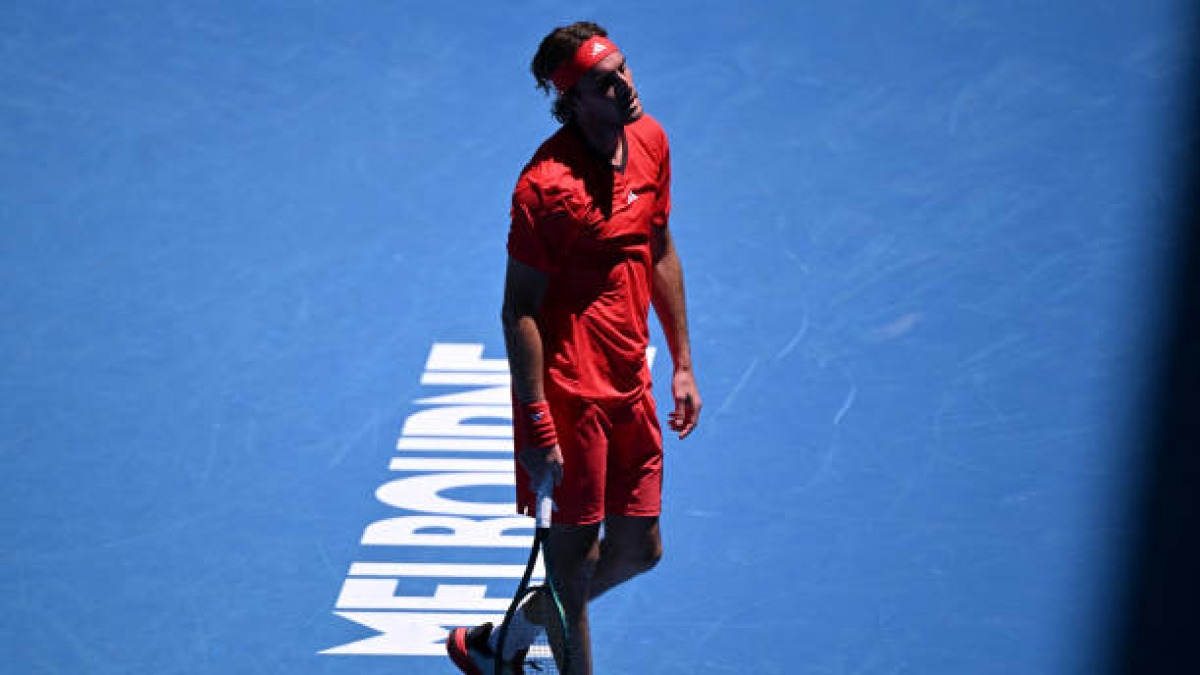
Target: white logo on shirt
x=631, y=198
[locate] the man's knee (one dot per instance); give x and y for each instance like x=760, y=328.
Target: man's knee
x=651, y=554
x=639, y=553
x=575, y=550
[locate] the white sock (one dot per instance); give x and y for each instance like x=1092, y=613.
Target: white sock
x=521, y=633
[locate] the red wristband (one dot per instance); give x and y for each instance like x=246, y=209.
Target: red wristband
x=538, y=423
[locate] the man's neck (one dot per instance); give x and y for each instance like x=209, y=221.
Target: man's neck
x=607, y=142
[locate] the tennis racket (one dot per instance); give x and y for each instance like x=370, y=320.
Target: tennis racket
x=539, y=634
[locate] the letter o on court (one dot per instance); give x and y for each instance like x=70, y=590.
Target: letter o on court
x=423, y=493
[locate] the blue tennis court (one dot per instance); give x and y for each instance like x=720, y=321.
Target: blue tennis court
x=253, y=401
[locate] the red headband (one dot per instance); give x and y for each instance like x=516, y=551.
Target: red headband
x=591, y=52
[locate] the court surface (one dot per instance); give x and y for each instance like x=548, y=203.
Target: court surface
x=250, y=266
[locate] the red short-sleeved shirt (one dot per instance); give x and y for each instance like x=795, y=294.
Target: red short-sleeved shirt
x=589, y=227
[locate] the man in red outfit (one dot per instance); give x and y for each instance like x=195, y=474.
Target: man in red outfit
x=589, y=252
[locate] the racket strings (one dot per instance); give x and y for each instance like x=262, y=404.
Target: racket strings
x=536, y=630
x=521, y=633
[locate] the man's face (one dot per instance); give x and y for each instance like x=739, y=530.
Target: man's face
x=606, y=95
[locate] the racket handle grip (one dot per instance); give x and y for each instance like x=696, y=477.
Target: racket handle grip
x=545, y=501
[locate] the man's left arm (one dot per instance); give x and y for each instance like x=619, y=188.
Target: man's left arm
x=668, y=297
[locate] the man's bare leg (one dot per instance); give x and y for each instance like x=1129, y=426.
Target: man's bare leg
x=631, y=545
x=572, y=553
x=584, y=567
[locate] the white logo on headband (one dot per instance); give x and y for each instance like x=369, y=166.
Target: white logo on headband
x=597, y=48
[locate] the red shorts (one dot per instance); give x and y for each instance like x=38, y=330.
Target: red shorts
x=612, y=462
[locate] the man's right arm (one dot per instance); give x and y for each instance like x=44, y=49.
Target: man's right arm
x=524, y=290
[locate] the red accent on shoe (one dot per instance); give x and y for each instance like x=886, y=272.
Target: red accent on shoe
x=456, y=647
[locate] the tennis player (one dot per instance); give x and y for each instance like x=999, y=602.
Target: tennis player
x=589, y=252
